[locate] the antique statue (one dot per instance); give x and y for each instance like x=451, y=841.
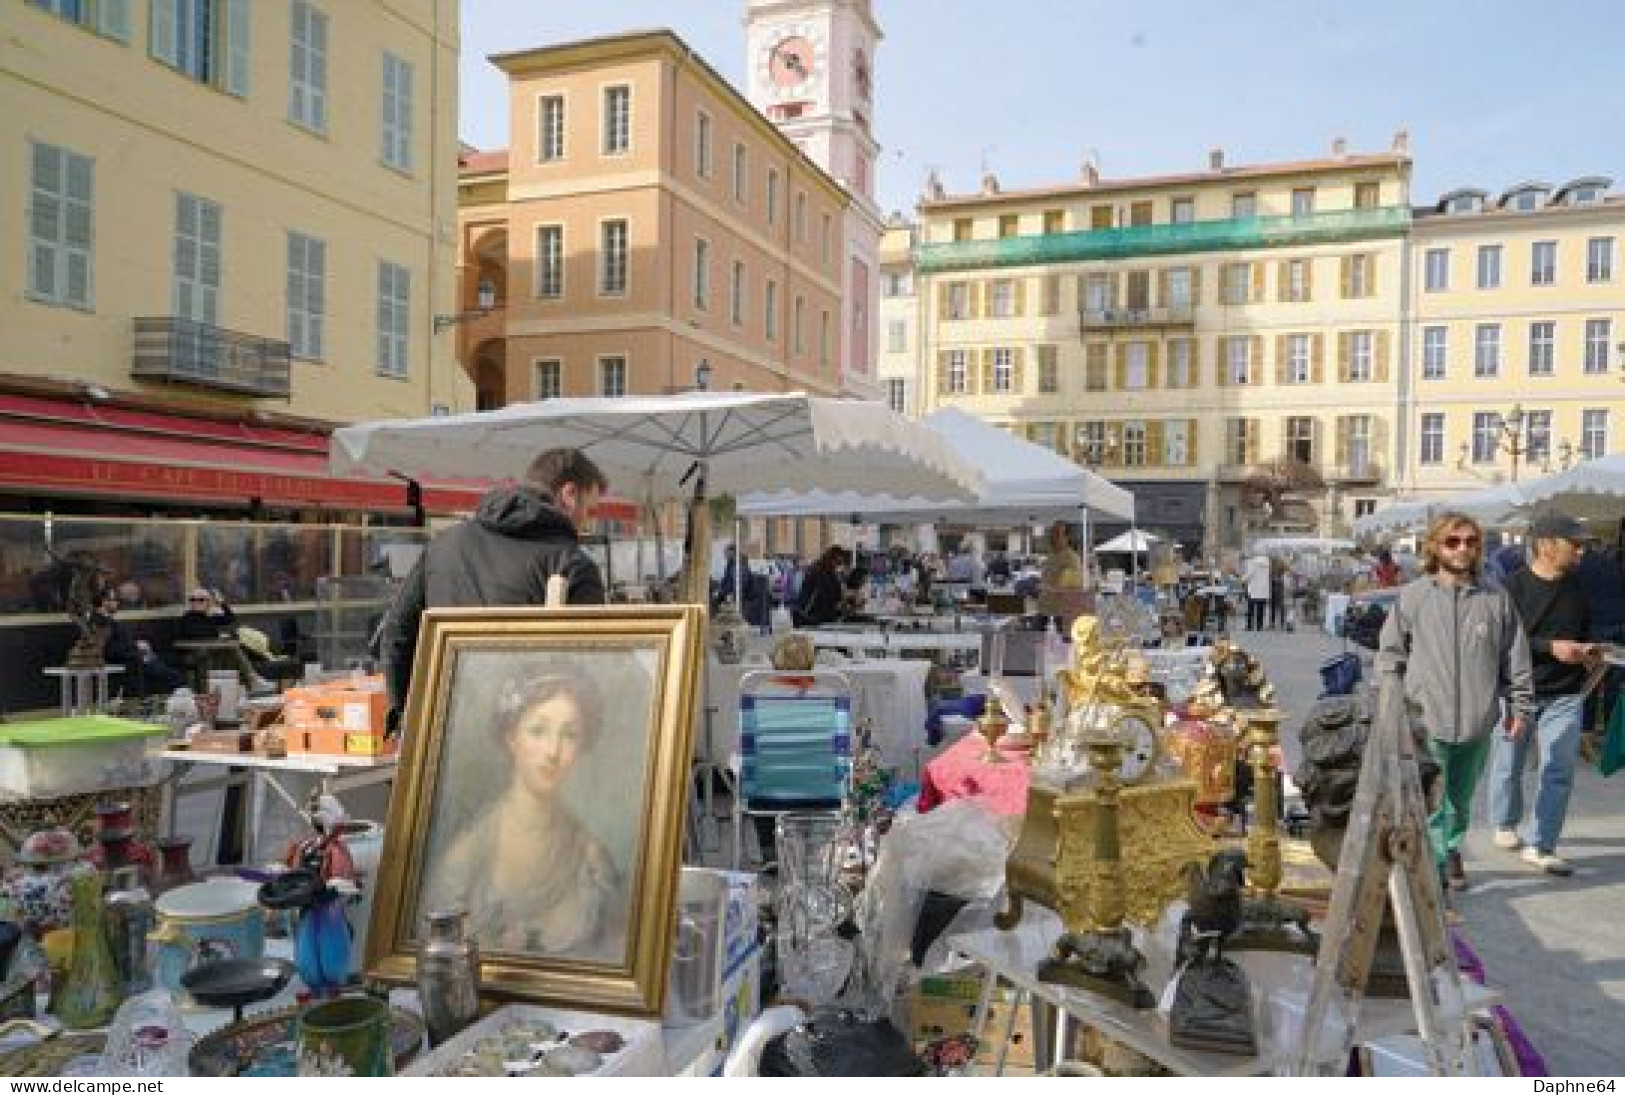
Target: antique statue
x=1241, y=679
x=1212, y=1006
x=81, y=580
x=1097, y=676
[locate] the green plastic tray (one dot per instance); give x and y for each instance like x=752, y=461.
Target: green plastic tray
x=79, y=730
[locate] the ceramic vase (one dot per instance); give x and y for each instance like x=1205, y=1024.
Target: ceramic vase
x=448, y=975
x=91, y=992
x=174, y=864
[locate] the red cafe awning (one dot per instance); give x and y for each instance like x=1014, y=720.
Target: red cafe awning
x=53, y=447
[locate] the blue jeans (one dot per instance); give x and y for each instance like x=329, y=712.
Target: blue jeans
x=1555, y=725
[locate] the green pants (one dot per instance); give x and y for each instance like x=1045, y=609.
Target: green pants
x=1460, y=765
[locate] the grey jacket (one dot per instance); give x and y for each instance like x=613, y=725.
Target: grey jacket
x=1459, y=651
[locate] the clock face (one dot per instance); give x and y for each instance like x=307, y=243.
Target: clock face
x=792, y=61
x=1139, y=740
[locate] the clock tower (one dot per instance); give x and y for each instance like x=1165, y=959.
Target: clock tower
x=811, y=72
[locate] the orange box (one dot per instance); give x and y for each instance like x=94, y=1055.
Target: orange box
x=321, y=720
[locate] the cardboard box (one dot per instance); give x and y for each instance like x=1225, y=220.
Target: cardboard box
x=336, y=720
x=941, y=1007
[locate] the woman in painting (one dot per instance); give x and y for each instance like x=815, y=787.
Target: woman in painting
x=534, y=879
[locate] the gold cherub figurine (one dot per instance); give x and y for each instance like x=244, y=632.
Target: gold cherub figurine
x=1097, y=675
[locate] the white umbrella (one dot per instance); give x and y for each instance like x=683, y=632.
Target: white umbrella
x=1132, y=542
x=668, y=447
x=1592, y=490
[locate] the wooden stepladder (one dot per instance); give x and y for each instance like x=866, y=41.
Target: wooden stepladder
x=1386, y=858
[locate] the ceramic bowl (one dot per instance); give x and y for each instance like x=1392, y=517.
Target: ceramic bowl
x=205, y=922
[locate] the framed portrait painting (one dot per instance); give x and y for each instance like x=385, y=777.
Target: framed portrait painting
x=542, y=788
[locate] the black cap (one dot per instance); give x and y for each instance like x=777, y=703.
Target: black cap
x=1555, y=526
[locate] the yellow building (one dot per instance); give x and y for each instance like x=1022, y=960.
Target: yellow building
x=646, y=230
x=1176, y=331
x=210, y=209
x=1518, y=325
x=899, y=361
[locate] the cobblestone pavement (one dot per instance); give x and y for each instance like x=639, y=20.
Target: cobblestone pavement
x=1554, y=946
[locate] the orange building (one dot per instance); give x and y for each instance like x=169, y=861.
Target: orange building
x=647, y=230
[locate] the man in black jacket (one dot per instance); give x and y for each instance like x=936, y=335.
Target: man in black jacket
x=519, y=537
x=1557, y=619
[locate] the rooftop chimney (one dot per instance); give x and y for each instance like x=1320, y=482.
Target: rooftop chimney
x=1091, y=173
x=1215, y=159
x=1340, y=147
x=990, y=183
x=1402, y=142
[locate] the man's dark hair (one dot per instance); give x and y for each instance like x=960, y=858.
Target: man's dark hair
x=556, y=467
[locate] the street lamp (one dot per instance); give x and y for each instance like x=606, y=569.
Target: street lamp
x=485, y=302
x=1513, y=436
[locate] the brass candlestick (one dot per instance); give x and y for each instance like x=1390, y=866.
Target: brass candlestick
x=992, y=726
x=1268, y=923
x=1038, y=729
x=1099, y=955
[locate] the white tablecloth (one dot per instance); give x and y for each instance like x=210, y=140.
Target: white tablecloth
x=890, y=692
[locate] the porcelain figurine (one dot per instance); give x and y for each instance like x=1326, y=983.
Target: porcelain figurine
x=40, y=887
x=321, y=881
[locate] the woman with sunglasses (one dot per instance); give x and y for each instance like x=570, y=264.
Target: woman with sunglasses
x=1459, y=649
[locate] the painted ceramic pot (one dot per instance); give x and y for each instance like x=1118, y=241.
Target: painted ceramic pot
x=204, y=922
x=40, y=888
x=345, y=1037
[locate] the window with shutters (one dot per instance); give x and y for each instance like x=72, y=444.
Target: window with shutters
x=307, y=296
x=1538, y=430
x=897, y=283
x=1487, y=350
x=1092, y=443
x=1054, y=221
x=1177, y=284
x=825, y=342
x=1176, y=442
x=1543, y=262
x=1052, y=295
x=617, y=135
x=206, y=40
x=1003, y=298
x=1049, y=374
x=612, y=376
x=1004, y=370
x=1599, y=259
x=196, y=292
x=740, y=172
x=1303, y=201
x=1235, y=282
x=1486, y=436
x=1431, y=450
x=1593, y=433
x=962, y=229
x=1300, y=438
x=549, y=375
x=702, y=274
x=612, y=272
x=1489, y=266
x=1009, y=225
x=772, y=201
x=800, y=216
x=1181, y=365
x=702, y=144
x=1237, y=359
x=1094, y=367
x=1296, y=289
x=1598, y=333
x=826, y=237
x=1102, y=216
x=896, y=336
x=1360, y=370
x=958, y=372
x=394, y=319
x=958, y=300
x=1238, y=440
x=1435, y=352
x=1359, y=452
x=1243, y=206
x=798, y=315
x=397, y=106
x=1182, y=210
x=550, y=261
x=736, y=294
x=1367, y=195
x=1542, y=336
x=897, y=394
x=1138, y=295
x=1360, y=276
x=1137, y=366
x=307, y=66
x=1299, y=362
x=550, y=128
x=109, y=18
x=1139, y=214
x=1436, y=270
x=770, y=310
x=1134, y=447
x=61, y=221
x=1097, y=293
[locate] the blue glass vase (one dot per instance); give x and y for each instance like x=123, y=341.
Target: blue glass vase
x=322, y=945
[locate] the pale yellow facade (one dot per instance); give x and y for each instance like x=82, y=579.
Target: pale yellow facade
x=209, y=159
x=1519, y=305
x=898, y=364
x=1181, y=329
x=644, y=220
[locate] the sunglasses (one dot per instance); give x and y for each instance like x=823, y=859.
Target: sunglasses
x=1455, y=542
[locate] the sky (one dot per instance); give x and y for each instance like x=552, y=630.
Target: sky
x=1493, y=92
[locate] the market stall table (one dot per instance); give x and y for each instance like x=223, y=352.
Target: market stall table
x=960, y=772
x=336, y=774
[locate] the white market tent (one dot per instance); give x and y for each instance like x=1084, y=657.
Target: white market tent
x=1022, y=483
x=1495, y=506
x=1133, y=542
x=1593, y=490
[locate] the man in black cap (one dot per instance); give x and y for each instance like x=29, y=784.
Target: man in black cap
x=1557, y=619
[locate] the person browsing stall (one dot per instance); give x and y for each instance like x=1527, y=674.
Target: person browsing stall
x=823, y=589
x=1458, y=648
x=1557, y=619
x=519, y=537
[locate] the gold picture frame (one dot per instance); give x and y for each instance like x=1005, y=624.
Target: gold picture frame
x=542, y=785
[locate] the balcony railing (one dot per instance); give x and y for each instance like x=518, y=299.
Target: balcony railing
x=1340, y=226
x=183, y=351
x=1174, y=315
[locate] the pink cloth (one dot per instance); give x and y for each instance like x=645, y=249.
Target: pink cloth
x=960, y=772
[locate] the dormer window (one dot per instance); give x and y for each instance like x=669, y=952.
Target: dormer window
x=1587, y=190
x=1465, y=200
x=1585, y=195
x=1527, y=201
x=1526, y=197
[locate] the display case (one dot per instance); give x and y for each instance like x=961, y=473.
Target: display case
x=348, y=612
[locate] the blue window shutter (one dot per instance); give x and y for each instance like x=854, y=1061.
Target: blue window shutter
x=161, y=32
x=113, y=19
x=237, y=19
